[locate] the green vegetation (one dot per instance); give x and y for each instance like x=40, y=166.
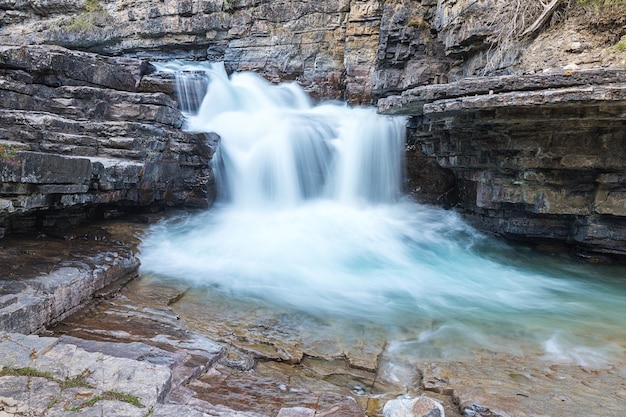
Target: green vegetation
x=93, y=6
x=620, y=47
x=227, y=6
x=7, y=151
x=109, y=395
x=94, y=15
x=77, y=381
x=31, y=372
x=419, y=22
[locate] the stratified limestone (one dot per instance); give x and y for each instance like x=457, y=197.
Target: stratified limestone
x=78, y=140
x=48, y=393
x=38, y=288
x=537, y=158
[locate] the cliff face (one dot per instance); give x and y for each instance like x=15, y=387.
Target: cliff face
x=78, y=139
x=113, y=122
x=344, y=49
x=537, y=158
x=327, y=46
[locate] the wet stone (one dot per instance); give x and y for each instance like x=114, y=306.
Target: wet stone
x=413, y=407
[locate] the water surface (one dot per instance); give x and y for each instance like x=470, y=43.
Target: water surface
x=312, y=225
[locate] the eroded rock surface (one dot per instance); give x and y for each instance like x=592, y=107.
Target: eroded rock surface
x=536, y=158
x=77, y=140
x=345, y=49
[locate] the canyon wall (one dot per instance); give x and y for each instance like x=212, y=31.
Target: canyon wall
x=354, y=50
x=112, y=139
x=78, y=140
x=537, y=158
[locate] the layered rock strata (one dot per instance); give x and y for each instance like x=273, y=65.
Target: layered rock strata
x=354, y=50
x=328, y=47
x=538, y=158
x=79, y=140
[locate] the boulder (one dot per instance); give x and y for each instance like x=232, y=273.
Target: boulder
x=413, y=407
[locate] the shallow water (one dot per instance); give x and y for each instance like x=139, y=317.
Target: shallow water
x=311, y=228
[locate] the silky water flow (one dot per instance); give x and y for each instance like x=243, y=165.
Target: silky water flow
x=311, y=221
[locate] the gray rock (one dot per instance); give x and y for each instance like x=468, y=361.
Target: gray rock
x=50, y=298
x=296, y=412
x=525, y=157
x=105, y=408
x=19, y=350
x=88, y=139
x=413, y=407
x=54, y=66
x=23, y=395
x=412, y=101
x=170, y=410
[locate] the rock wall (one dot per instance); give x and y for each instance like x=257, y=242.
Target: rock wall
x=119, y=136
x=327, y=46
x=537, y=158
x=78, y=139
x=355, y=50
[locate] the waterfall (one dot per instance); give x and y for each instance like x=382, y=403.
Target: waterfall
x=278, y=149
x=311, y=218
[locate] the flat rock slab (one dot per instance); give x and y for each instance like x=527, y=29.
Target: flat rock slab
x=413, y=101
x=37, y=383
x=499, y=386
x=44, y=280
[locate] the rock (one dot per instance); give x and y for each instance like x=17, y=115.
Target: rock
x=413, y=407
x=16, y=399
x=87, y=139
x=55, y=66
x=412, y=101
x=46, y=393
x=105, y=408
x=499, y=386
x=296, y=412
x=170, y=410
x=37, y=289
x=19, y=350
x=524, y=157
x=150, y=383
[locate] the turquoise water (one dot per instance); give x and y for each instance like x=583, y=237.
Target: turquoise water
x=311, y=222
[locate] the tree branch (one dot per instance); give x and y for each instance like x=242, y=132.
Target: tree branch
x=542, y=19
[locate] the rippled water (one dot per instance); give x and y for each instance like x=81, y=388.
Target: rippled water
x=311, y=222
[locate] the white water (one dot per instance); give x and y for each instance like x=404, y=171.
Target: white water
x=312, y=219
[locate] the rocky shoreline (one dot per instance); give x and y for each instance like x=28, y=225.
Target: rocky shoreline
x=150, y=364
x=137, y=348
x=535, y=158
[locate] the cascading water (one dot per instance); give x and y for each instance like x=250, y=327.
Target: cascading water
x=311, y=219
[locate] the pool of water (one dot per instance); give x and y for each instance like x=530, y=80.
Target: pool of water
x=312, y=228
